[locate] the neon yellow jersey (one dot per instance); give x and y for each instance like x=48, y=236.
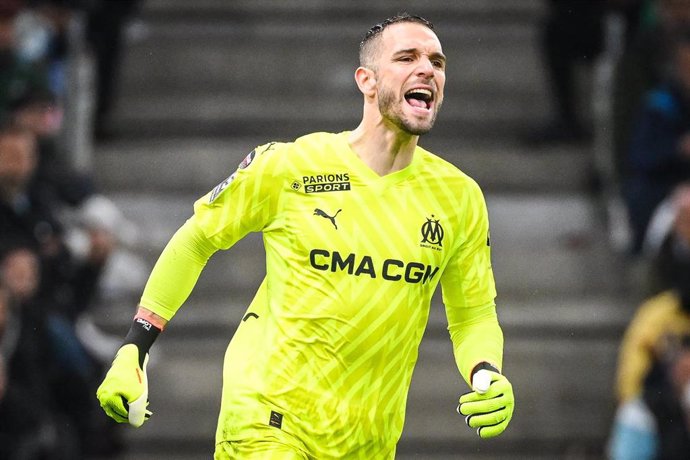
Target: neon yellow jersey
x=352, y=261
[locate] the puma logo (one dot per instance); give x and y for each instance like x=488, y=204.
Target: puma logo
x=318, y=212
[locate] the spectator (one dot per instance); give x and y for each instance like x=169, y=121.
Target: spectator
x=95, y=233
x=652, y=374
x=95, y=226
x=659, y=152
x=670, y=225
x=27, y=214
x=645, y=64
x=39, y=111
x=16, y=75
x=664, y=394
x=31, y=427
x=43, y=38
x=66, y=288
x=656, y=425
x=661, y=315
x=665, y=313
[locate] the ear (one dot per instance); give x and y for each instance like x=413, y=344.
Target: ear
x=366, y=81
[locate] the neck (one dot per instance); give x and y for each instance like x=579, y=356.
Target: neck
x=384, y=149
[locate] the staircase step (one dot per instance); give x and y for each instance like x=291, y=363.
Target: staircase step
x=550, y=377
x=212, y=315
x=195, y=165
x=228, y=114
x=543, y=244
x=314, y=59
x=219, y=79
x=324, y=9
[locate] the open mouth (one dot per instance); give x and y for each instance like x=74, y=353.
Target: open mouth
x=420, y=98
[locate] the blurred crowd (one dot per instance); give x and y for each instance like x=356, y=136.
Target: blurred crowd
x=62, y=242
x=645, y=134
x=636, y=116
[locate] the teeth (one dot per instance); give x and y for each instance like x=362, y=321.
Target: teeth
x=426, y=92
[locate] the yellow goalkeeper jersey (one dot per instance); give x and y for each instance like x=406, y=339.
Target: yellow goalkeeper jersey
x=325, y=354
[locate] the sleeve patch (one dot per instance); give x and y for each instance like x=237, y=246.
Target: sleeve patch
x=247, y=160
x=220, y=187
x=244, y=164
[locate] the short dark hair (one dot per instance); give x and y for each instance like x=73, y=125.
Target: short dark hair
x=366, y=46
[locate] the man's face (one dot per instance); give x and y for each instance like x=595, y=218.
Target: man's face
x=17, y=161
x=20, y=273
x=410, y=73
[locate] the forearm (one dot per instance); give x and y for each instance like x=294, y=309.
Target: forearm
x=477, y=337
x=176, y=271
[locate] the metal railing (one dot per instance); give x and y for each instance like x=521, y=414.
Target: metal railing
x=79, y=104
x=604, y=156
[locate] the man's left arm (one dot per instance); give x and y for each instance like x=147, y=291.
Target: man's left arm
x=468, y=293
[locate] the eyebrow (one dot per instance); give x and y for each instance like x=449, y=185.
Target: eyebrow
x=415, y=50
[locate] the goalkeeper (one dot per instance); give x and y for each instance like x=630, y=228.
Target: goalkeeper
x=359, y=228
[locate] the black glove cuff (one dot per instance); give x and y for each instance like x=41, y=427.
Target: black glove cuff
x=142, y=334
x=483, y=365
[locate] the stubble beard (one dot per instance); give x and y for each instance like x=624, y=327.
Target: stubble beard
x=391, y=111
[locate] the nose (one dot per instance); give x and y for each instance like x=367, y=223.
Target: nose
x=425, y=67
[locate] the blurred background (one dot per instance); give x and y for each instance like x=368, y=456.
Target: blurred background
x=573, y=116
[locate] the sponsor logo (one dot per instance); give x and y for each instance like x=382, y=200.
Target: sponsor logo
x=432, y=234
x=389, y=269
x=145, y=324
x=338, y=182
x=318, y=212
x=220, y=187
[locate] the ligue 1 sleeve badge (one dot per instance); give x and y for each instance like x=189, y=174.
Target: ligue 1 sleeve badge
x=247, y=160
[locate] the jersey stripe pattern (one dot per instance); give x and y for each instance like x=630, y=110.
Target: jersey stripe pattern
x=352, y=261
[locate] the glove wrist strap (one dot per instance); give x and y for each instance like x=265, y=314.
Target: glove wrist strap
x=483, y=365
x=142, y=334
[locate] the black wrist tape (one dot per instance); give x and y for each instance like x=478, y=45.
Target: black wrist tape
x=483, y=365
x=142, y=334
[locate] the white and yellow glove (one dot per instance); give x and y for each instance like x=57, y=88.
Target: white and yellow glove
x=489, y=407
x=124, y=392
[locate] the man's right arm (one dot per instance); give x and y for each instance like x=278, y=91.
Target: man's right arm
x=247, y=201
x=124, y=391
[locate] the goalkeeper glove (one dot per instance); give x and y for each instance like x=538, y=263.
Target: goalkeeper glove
x=125, y=390
x=489, y=407
x=124, y=393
